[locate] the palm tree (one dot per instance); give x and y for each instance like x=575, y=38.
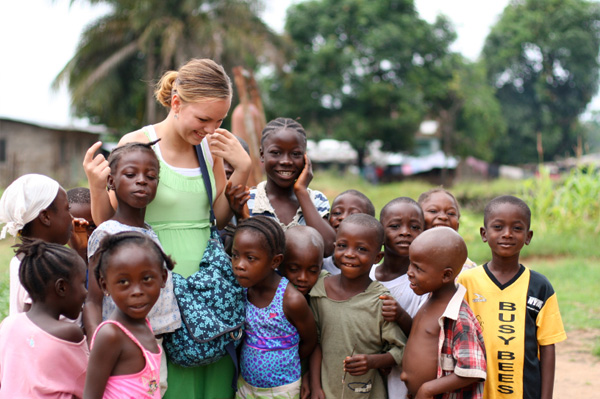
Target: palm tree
x=121, y=54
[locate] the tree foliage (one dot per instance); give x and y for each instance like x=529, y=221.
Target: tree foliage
x=121, y=54
x=542, y=56
x=362, y=70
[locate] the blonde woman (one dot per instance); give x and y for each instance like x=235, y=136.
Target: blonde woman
x=198, y=97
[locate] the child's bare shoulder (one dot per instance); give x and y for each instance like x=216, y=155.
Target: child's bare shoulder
x=67, y=331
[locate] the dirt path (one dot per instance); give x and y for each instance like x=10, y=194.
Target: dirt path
x=577, y=370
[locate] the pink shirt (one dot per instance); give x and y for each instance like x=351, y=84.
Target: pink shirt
x=141, y=385
x=35, y=364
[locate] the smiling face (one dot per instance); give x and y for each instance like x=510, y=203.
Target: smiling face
x=252, y=262
x=424, y=272
x=302, y=264
x=506, y=230
x=196, y=120
x=282, y=153
x=344, y=206
x=356, y=250
x=135, y=179
x=402, y=223
x=440, y=209
x=133, y=278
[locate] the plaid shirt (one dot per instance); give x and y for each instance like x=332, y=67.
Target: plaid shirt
x=460, y=347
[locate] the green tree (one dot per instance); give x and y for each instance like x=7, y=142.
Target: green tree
x=542, y=56
x=360, y=70
x=121, y=54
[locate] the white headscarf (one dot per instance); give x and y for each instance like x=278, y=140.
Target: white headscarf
x=23, y=201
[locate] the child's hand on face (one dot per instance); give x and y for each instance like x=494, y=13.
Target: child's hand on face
x=356, y=365
x=305, y=177
x=79, y=237
x=224, y=144
x=237, y=197
x=390, y=309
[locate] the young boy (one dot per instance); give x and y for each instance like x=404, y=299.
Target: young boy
x=516, y=307
x=402, y=220
x=355, y=340
x=444, y=354
x=302, y=263
x=345, y=204
x=303, y=257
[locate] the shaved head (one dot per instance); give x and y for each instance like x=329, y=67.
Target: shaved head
x=444, y=245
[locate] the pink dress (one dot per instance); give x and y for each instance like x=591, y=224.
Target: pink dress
x=35, y=364
x=141, y=385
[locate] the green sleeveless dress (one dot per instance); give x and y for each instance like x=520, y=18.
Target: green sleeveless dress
x=180, y=217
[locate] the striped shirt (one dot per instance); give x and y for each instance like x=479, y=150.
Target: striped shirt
x=259, y=204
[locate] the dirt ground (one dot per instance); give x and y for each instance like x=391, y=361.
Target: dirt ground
x=577, y=370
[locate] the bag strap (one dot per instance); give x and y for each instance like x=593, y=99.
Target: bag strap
x=207, y=185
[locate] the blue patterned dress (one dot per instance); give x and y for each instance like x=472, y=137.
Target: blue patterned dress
x=270, y=355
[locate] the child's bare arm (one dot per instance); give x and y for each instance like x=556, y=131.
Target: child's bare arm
x=360, y=364
x=299, y=314
x=448, y=383
x=238, y=196
x=92, y=310
x=104, y=356
x=311, y=215
x=316, y=389
x=547, y=366
x=392, y=311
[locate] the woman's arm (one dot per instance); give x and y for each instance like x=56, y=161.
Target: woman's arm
x=309, y=211
x=547, y=368
x=225, y=146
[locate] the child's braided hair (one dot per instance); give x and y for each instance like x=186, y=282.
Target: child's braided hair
x=269, y=228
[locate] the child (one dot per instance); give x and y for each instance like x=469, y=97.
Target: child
x=280, y=329
x=402, y=221
x=81, y=209
x=125, y=358
x=444, y=354
x=516, y=306
x=302, y=264
x=40, y=355
x=345, y=204
x=134, y=179
x=33, y=206
x=355, y=340
x=285, y=195
x=441, y=209
x=303, y=257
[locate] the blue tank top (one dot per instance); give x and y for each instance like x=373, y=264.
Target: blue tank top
x=270, y=355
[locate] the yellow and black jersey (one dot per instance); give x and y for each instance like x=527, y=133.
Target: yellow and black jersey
x=516, y=318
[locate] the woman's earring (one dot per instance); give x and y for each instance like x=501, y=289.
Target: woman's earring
x=176, y=116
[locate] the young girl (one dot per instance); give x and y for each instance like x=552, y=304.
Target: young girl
x=280, y=328
x=125, y=358
x=285, y=195
x=134, y=179
x=402, y=221
x=33, y=206
x=41, y=355
x=440, y=208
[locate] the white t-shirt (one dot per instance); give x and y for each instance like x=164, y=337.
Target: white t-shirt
x=18, y=295
x=410, y=302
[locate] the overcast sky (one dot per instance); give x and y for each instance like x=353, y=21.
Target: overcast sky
x=38, y=37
